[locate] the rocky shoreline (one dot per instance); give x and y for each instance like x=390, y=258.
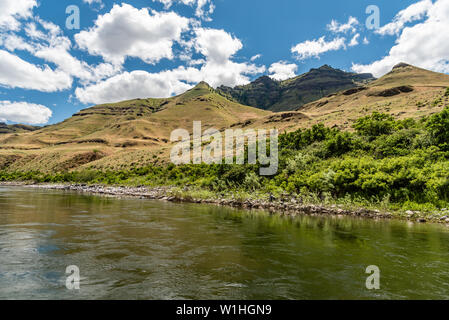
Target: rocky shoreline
x=286, y=207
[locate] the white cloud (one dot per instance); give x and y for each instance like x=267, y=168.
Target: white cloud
x=24, y=112
x=46, y=41
x=314, y=48
x=365, y=40
x=229, y=73
x=282, y=70
x=13, y=42
x=13, y=10
x=416, y=11
x=257, y=56
x=337, y=27
x=129, y=32
x=137, y=84
x=123, y=32
x=15, y=72
x=426, y=44
x=56, y=49
x=217, y=46
x=354, y=40
x=204, y=8
x=90, y=2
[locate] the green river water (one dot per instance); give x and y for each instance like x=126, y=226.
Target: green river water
x=143, y=249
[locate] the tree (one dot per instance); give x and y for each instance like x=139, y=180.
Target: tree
x=438, y=126
x=375, y=125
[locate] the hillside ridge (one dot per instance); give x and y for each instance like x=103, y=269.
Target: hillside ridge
x=291, y=94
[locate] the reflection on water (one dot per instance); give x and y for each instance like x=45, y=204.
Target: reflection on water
x=141, y=249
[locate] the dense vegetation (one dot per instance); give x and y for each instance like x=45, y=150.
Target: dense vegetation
x=401, y=163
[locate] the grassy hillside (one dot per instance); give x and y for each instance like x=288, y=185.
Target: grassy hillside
x=291, y=94
x=16, y=128
x=124, y=134
x=405, y=92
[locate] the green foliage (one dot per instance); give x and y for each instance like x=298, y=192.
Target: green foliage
x=302, y=138
x=438, y=126
x=375, y=125
x=252, y=182
x=339, y=144
x=396, y=144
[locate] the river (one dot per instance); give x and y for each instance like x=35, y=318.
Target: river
x=144, y=249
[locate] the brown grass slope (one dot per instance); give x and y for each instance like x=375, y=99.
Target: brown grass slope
x=405, y=92
x=119, y=135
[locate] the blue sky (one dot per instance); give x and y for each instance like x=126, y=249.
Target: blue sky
x=159, y=48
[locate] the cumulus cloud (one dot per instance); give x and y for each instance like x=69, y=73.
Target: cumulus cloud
x=123, y=32
x=425, y=44
x=217, y=68
x=137, y=84
x=13, y=42
x=24, y=112
x=11, y=11
x=46, y=41
x=314, y=48
x=337, y=27
x=55, y=48
x=17, y=73
x=216, y=45
x=282, y=70
x=229, y=73
x=416, y=11
x=129, y=32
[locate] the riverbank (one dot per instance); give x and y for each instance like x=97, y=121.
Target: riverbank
x=286, y=206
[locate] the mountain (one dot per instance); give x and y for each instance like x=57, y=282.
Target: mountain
x=16, y=128
x=113, y=135
x=405, y=92
x=136, y=133
x=268, y=94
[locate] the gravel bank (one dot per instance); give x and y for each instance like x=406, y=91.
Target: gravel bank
x=287, y=207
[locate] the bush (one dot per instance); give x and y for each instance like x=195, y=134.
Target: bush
x=339, y=144
x=375, y=125
x=397, y=144
x=252, y=182
x=438, y=126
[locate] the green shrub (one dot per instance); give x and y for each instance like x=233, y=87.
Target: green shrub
x=375, y=125
x=438, y=126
